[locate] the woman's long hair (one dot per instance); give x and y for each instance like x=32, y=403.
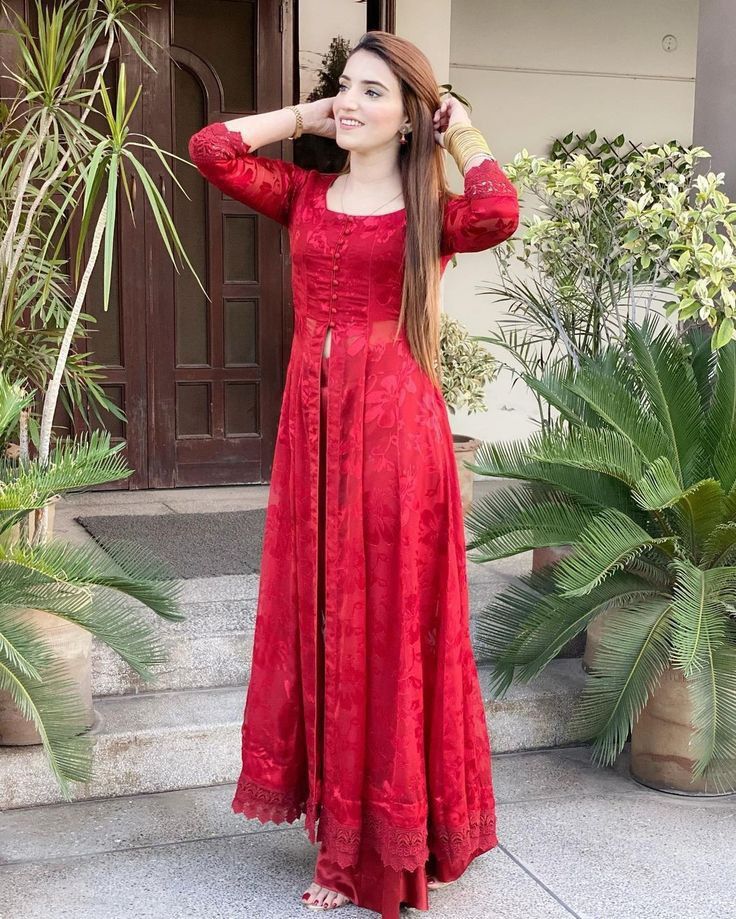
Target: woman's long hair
x=425, y=191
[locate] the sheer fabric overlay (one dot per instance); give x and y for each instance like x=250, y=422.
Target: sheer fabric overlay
x=364, y=712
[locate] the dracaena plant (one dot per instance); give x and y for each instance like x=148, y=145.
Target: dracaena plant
x=638, y=478
x=99, y=590
x=58, y=171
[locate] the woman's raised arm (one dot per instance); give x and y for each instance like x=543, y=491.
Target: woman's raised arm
x=222, y=152
x=485, y=214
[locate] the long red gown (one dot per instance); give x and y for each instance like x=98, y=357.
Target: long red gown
x=364, y=709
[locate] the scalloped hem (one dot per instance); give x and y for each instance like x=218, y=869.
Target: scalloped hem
x=398, y=848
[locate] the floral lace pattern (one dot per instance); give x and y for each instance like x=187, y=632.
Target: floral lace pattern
x=386, y=744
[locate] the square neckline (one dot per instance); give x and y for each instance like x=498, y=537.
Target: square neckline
x=332, y=178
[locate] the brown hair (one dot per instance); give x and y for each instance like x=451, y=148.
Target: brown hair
x=424, y=186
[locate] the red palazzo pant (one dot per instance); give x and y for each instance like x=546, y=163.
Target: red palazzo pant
x=369, y=883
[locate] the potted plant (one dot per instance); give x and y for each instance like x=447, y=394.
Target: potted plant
x=58, y=172
x=640, y=480
x=55, y=597
x=466, y=367
x=569, y=279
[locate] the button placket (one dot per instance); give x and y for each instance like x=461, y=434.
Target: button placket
x=336, y=263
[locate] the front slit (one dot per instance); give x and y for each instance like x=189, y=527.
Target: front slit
x=321, y=591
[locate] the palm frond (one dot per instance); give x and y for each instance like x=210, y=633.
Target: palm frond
x=699, y=614
x=508, y=521
x=595, y=449
x=721, y=418
x=631, y=657
x=606, y=545
x=525, y=627
x=713, y=695
x=671, y=390
x=620, y=409
x=720, y=546
x=120, y=566
x=54, y=707
x=513, y=460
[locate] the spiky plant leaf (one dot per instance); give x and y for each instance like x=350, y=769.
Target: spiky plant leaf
x=54, y=707
x=606, y=545
x=721, y=417
x=620, y=409
x=598, y=450
x=713, y=695
x=507, y=522
x=121, y=566
x=699, y=614
x=671, y=391
x=720, y=546
x=513, y=460
x=631, y=657
x=525, y=627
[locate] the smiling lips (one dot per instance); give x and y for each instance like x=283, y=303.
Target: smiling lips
x=350, y=123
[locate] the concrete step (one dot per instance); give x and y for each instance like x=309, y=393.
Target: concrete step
x=160, y=741
x=213, y=645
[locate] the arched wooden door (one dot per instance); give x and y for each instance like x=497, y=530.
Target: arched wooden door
x=214, y=367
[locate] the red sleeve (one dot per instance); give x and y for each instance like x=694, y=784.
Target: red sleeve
x=267, y=185
x=484, y=215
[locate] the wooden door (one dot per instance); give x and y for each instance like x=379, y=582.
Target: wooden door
x=215, y=367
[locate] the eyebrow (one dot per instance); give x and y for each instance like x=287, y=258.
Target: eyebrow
x=365, y=82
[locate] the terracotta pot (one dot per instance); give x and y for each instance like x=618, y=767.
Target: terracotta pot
x=594, y=632
x=70, y=644
x=73, y=647
x=13, y=533
x=541, y=558
x=465, y=448
x=662, y=739
x=548, y=555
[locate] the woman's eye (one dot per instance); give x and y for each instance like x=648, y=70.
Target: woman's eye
x=341, y=86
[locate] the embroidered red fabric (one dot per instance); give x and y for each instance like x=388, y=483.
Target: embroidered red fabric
x=364, y=710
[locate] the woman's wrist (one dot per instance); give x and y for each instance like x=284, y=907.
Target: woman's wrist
x=305, y=112
x=466, y=145
x=476, y=159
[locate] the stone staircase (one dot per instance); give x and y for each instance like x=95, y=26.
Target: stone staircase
x=184, y=730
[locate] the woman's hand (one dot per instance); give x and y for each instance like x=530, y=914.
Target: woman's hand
x=452, y=111
x=319, y=117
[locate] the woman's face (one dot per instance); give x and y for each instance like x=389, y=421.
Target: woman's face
x=370, y=94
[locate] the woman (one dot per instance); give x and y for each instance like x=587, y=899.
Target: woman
x=364, y=710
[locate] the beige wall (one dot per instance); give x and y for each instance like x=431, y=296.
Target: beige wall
x=319, y=23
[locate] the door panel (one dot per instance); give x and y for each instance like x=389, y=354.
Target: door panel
x=215, y=365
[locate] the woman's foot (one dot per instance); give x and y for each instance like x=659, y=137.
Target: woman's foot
x=317, y=897
x=434, y=884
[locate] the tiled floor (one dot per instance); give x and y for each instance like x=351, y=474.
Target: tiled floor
x=575, y=840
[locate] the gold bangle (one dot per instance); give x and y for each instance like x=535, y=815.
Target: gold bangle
x=463, y=141
x=299, y=122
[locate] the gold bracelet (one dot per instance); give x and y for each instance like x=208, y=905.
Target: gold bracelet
x=466, y=142
x=299, y=123
x=463, y=141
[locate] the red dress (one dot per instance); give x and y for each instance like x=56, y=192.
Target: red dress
x=364, y=709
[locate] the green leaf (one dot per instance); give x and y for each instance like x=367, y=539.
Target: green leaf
x=631, y=657
x=610, y=541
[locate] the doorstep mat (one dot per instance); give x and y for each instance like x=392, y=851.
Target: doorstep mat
x=190, y=545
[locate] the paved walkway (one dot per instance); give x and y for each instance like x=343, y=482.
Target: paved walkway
x=575, y=841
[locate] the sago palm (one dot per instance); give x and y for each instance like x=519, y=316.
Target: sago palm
x=96, y=589
x=638, y=478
